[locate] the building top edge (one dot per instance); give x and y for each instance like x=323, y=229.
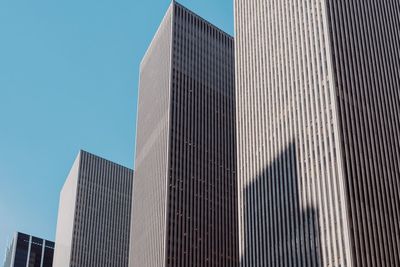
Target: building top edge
x=203, y=19
x=84, y=152
x=33, y=236
x=175, y=3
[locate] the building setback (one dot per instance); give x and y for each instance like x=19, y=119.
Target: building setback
x=318, y=128
x=93, y=226
x=184, y=204
x=26, y=250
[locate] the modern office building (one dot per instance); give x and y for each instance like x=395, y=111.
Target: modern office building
x=318, y=126
x=184, y=201
x=94, y=214
x=29, y=251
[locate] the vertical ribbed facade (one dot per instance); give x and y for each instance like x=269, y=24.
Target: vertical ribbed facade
x=196, y=187
x=202, y=222
x=365, y=41
x=149, y=207
x=93, y=227
x=292, y=205
x=317, y=94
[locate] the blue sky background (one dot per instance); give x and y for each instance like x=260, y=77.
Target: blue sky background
x=68, y=80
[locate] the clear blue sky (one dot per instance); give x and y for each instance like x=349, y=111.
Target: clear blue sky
x=68, y=80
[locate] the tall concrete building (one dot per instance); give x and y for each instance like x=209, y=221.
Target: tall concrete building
x=29, y=251
x=94, y=214
x=318, y=126
x=184, y=201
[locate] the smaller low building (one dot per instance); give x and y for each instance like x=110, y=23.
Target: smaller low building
x=94, y=214
x=26, y=250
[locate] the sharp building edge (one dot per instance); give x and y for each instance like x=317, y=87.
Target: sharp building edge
x=184, y=204
x=94, y=217
x=317, y=109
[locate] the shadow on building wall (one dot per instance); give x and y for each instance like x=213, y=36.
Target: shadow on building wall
x=278, y=231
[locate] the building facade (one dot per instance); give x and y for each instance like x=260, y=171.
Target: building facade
x=29, y=251
x=184, y=204
x=318, y=126
x=94, y=214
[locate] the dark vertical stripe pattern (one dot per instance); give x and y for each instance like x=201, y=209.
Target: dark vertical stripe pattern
x=185, y=209
x=102, y=213
x=365, y=40
x=202, y=215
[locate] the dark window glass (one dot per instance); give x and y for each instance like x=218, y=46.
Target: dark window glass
x=21, y=253
x=48, y=257
x=35, y=256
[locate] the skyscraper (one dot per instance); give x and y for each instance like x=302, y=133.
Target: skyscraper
x=184, y=204
x=26, y=250
x=318, y=131
x=94, y=214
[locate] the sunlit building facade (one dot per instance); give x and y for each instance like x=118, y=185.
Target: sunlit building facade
x=94, y=215
x=184, y=204
x=318, y=129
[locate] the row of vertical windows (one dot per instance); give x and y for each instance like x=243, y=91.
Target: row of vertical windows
x=290, y=210
x=202, y=207
x=148, y=236
x=31, y=251
x=102, y=213
x=365, y=40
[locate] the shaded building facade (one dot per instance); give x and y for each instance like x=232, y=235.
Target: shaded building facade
x=318, y=126
x=29, y=251
x=184, y=204
x=94, y=214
